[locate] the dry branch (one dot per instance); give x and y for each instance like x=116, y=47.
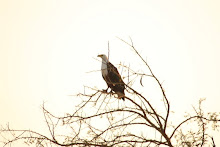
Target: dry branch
x=119, y=121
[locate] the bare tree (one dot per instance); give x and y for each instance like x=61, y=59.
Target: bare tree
x=100, y=119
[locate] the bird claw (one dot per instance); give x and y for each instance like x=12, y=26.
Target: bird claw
x=104, y=91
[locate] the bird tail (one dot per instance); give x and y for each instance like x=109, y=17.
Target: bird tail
x=121, y=96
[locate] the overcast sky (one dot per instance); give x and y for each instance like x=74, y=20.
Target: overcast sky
x=48, y=47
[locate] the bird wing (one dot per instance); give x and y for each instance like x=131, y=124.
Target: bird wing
x=114, y=76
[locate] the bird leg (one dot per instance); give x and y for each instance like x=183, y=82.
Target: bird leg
x=105, y=90
x=111, y=92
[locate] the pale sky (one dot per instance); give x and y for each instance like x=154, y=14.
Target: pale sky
x=47, y=48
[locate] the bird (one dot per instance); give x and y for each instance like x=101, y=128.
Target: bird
x=112, y=77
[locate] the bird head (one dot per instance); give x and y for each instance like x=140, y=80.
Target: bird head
x=103, y=56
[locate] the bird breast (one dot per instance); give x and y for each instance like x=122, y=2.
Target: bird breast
x=104, y=69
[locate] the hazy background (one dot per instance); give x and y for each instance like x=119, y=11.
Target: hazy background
x=47, y=48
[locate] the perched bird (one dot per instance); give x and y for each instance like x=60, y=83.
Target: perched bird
x=112, y=77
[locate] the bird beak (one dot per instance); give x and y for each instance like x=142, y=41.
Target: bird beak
x=99, y=56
